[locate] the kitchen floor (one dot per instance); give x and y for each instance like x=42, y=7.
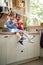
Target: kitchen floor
x=36, y=62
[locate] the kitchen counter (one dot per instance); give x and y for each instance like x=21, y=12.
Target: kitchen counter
x=7, y=33
x=11, y=51
x=31, y=30
x=12, y=33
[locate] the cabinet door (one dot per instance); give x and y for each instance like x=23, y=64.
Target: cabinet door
x=30, y=49
x=34, y=48
x=37, y=45
x=0, y=49
x=11, y=48
x=36, y=40
x=14, y=3
x=3, y=47
x=21, y=51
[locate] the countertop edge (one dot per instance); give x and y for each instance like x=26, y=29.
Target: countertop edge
x=13, y=33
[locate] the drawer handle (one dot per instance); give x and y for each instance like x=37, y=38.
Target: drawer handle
x=5, y=36
x=21, y=50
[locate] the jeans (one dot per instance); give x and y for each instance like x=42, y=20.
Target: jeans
x=13, y=30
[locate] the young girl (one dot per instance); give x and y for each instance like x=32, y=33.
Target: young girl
x=12, y=27
x=19, y=25
x=18, y=22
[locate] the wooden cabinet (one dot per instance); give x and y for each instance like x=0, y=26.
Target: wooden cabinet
x=14, y=3
x=17, y=3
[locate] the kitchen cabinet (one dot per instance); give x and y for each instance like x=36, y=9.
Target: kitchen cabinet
x=4, y=5
x=34, y=46
x=8, y=45
x=37, y=45
x=29, y=49
x=0, y=50
x=11, y=48
x=17, y=3
x=12, y=51
x=3, y=48
x=21, y=51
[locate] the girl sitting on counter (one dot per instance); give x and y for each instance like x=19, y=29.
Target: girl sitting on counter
x=12, y=26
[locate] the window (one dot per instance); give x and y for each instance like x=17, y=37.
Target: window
x=36, y=7
x=0, y=1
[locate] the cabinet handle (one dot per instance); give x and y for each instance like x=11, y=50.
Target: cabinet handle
x=5, y=36
x=33, y=35
x=21, y=50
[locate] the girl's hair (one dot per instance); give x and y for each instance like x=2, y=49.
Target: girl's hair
x=23, y=2
x=17, y=15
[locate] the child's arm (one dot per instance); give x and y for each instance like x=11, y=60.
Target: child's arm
x=21, y=21
x=15, y=22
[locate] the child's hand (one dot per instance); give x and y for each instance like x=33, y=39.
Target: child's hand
x=14, y=21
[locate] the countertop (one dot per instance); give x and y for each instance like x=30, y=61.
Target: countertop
x=31, y=30
x=13, y=33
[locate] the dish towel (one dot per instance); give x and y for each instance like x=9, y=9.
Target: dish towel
x=41, y=40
